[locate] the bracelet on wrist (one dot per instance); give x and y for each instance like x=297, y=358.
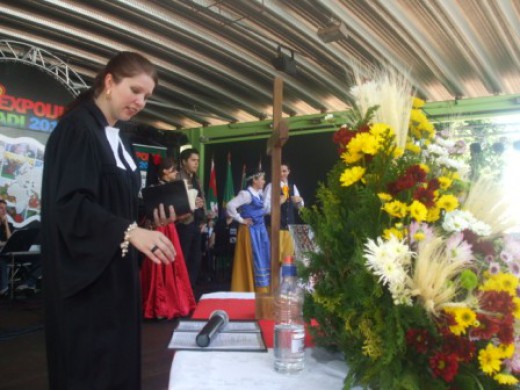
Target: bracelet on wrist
x=126, y=240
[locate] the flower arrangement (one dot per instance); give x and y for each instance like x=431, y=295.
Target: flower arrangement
x=416, y=281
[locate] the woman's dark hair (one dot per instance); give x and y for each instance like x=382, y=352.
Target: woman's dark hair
x=166, y=163
x=186, y=153
x=123, y=64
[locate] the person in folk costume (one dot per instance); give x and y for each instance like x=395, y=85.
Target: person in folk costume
x=166, y=288
x=90, y=192
x=189, y=227
x=251, y=262
x=290, y=201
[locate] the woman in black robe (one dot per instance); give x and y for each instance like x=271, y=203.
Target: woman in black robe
x=89, y=205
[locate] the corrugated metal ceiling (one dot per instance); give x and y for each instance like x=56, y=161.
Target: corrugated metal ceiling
x=215, y=57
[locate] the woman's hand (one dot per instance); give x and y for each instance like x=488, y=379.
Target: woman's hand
x=155, y=245
x=247, y=221
x=159, y=215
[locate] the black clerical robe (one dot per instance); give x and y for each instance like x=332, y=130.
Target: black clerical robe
x=91, y=293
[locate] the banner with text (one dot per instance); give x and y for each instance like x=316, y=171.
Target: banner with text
x=30, y=98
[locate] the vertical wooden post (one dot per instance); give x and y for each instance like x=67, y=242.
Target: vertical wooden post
x=265, y=301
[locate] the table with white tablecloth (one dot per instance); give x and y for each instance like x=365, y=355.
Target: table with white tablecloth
x=219, y=370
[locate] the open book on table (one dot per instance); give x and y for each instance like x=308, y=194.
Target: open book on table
x=235, y=336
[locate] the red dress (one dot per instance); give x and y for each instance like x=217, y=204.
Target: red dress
x=166, y=288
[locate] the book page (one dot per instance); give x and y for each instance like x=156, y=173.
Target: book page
x=220, y=342
x=231, y=326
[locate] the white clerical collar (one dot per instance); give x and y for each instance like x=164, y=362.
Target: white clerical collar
x=114, y=140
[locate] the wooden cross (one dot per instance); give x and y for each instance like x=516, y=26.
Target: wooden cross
x=265, y=301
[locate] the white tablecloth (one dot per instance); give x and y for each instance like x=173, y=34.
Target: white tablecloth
x=206, y=370
x=195, y=370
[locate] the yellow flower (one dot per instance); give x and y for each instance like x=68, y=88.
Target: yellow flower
x=397, y=233
x=363, y=142
x=425, y=168
x=445, y=182
x=434, y=214
x=505, y=379
x=415, y=149
x=464, y=318
x=351, y=175
x=418, y=211
x=419, y=236
x=398, y=152
x=506, y=350
x=508, y=282
x=516, y=311
x=384, y=197
x=455, y=175
x=396, y=209
x=417, y=103
x=489, y=359
x=448, y=202
x=381, y=130
x=351, y=158
x=501, y=282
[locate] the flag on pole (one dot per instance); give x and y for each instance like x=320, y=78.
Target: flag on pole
x=229, y=187
x=212, y=190
x=243, y=181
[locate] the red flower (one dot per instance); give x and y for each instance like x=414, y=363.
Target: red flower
x=433, y=185
x=479, y=246
x=416, y=173
x=497, y=301
x=488, y=327
x=344, y=135
x=444, y=365
x=425, y=196
x=461, y=347
x=420, y=339
x=506, y=332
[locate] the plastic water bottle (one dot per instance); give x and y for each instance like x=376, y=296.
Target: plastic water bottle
x=289, y=330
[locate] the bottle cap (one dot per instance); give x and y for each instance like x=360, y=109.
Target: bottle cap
x=288, y=260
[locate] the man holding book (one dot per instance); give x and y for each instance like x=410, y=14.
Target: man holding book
x=189, y=228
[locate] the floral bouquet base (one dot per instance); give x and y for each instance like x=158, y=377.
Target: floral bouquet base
x=416, y=281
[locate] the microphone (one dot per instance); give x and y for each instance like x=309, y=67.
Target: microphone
x=217, y=320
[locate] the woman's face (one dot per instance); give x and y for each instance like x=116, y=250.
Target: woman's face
x=128, y=97
x=259, y=182
x=169, y=174
x=284, y=173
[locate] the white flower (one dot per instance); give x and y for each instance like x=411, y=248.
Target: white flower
x=514, y=268
x=436, y=150
x=389, y=261
x=456, y=221
x=494, y=268
x=459, y=220
x=480, y=228
x=505, y=256
x=458, y=249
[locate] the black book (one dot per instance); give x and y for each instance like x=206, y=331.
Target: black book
x=174, y=193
